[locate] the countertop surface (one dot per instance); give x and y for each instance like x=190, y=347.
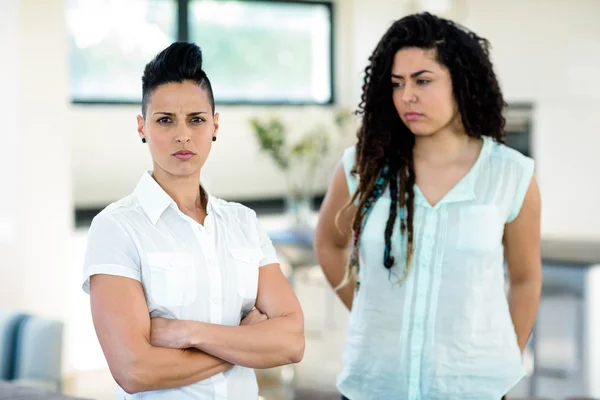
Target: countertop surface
x=571, y=251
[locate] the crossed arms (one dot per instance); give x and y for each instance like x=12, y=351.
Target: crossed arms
x=152, y=354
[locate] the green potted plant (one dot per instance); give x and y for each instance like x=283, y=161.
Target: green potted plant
x=299, y=159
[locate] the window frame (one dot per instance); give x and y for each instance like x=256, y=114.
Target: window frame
x=183, y=30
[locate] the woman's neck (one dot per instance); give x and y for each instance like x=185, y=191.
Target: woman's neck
x=184, y=190
x=442, y=147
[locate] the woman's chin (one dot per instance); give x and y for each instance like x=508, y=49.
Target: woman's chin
x=418, y=128
x=181, y=171
x=422, y=132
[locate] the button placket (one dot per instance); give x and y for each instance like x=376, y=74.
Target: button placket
x=420, y=313
x=214, y=275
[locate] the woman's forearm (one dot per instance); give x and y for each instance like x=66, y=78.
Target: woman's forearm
x=159, y=368
x=333, y=261
x=267, y=344
x=523, y=300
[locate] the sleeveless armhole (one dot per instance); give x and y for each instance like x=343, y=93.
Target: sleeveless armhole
x=524, y=180
x=348, y=160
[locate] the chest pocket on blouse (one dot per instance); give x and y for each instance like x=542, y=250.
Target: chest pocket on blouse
x=246, y=270
x=173, y=281
x=480, y=228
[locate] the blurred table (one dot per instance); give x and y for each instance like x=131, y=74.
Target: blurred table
x=294, y=244
x=296, y=247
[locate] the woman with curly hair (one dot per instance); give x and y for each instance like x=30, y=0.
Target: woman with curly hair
x=433, y=203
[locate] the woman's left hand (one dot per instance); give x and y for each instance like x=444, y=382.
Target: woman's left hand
x=169, y=333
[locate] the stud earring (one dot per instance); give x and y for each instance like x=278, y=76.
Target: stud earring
x=143, y=140
x=214, y=138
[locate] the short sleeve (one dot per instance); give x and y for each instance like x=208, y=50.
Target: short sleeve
x=523, y=180
x=110, y=250
x=268, y=253
x=348, y=160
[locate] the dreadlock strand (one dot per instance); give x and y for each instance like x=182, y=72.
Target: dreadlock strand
x=388, y=259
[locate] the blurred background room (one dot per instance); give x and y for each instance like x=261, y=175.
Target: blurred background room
x=286, y=77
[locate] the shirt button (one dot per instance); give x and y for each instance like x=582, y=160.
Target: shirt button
x=215, y=300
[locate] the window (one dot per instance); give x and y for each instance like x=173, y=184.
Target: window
x=255, y=52
x=265, y=51
x=110, y=42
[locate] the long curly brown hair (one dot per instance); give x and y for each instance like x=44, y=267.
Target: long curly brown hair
x=384, y=152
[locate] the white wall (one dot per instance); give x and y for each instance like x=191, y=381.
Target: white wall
x=549, y=53
x=10, y=283
x=35, y=203
x=370, y=20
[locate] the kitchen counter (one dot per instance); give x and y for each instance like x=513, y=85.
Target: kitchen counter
x=573, y=252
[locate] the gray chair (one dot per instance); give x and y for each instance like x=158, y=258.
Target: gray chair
x=9, y=323
x=31, y=350
x=38, y=354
